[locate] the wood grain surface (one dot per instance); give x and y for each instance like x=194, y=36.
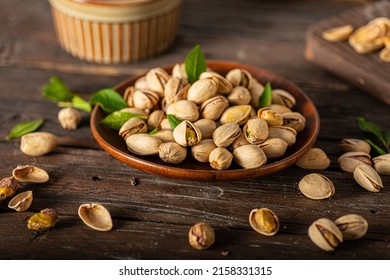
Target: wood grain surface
x=152, y=217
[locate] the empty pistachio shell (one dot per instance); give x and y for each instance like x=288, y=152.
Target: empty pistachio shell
x=202, y=90
x=171, y=152
x=201, y=236
x=201, y=151
x=44, y=220
x=156, y=79
x=249, y=156
x=256, y=131
x=282, y=97
x=30, y=173
x=187, y=134
x=184, y=110
x=213, y=107
x=349, y=161
x=274, y=147
x=368, y=178
x=224, y=135
x=354, y=145
x=206, y=127
x=294, y=120
x=352, y=226
x=239, y=96
x=95, y=216
x=69, y=118
x=264, y=221
x=38, y=143
x=325, y=234
x=8, y=187
x=133, y=126
x=272, y=118
x=288, y=134
x=315, y=158
x=238, y=114
x=316, y=186
x=220, y=158
x=21, y=202
x=143, y=144
x=338, y=34
x=382, y=164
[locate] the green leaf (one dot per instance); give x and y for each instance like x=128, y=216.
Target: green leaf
x=195, y=64
x=56, y=90
x=24, y=127
x=81, y=104
x=370, y=127
x=154, y=131
x=116, y=119
x=377, y=148
x=109, y=100
x=173, y=121
x=266, y=96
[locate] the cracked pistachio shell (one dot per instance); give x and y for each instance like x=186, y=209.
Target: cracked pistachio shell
x=368, y=178
x=171, y=152
x=256, y=131
x=238, y=114
x=325, y=234
x=143, y=144
x=286, y=133
x=220, y=158
x=294, y=120
x=316, y=186
x=202, y=90
x=213, y=107
x=352, y=226
x=224, y=85
x=176, y=89
x=135, y=111
x=157, y=79
x=382, y=164
x=206, y=127
x=249, y=156
x=38, y=143
x=282, y=97
x=21, y=202
x=145, y=99
x=44, y=220
x=272, y=118
x=165, y=135
x=96, y=216
x=224, y=135
x=315, y=158
x=30, y=174
x=240, y=77
x=187, y=134
x=201, y=151
x=354, y=145
x=132, y=126
x=201, y=236
x=141, y=83
x=281, y=109
x=256, y=90
x=338, y=34
x=184, y=110
x=8, y=187
x=155, y=119
x=69, y=118
x=274, y=148
x=239, y=96
x=264, y=221
x=240, y=141
x=179, y=70
x=349, y=161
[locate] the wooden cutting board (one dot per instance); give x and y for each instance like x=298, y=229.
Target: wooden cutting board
x=365, y=71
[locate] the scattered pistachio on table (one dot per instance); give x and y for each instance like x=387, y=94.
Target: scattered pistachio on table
x=8, y=187
x=315, y=158
x=21, y=202
x=316, y=186
x=354, y=145
x=201, y=236
x=325, y=234
x=264, y=221
x=382, y=164
x=368, y=178
x=338, y=34
x=44, y=220
x=350, y=160
x=30, y=174
x=69, y=118
x=96, y=216
x=352, y=226
x=38, y=143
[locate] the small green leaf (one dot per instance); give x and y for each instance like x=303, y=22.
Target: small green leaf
x=81, y=104
x=24, y=127
x=116, y=119
x=377, y=148
x=154, y=131
x=266, y=96
x=109, y=100
x=173, y=121
x=56, y=90
x=370, y=127
x=195, y=64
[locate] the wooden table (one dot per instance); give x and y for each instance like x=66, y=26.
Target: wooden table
x=152, y=218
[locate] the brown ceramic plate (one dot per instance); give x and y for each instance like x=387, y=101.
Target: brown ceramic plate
x=190, y=169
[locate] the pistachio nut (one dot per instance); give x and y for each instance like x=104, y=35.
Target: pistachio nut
x=349, y=161
x=156, y=79
x=382, y=164
x=354, y=145
x=8, y=187
x=338, y=34
x=352, y=226
x=96, y=216
x=316, y=186
x=171, y=152
x=256, y=131
x=184, y=110
x=21, y=202
x=224, y=135
x=239, y=96
x=256, y=90
x=294, y=120
x=206, y=127
x=220, y=158
x=132, y=126
x=272, y=118
x=264, y=221
x=176, y=89
x=69, y=118
x=165, y=125
x=238, y=114
x=213, y=107
x=30, y=174
x=240, y=77
x=274, y=148
x=141, y=83
x=179, y=70
x=143, y=144
x=249, y=156
x=368, y=178
x=315, y=158
x=224, y=85
x=145, y=99
x=201, y=236
x=38, y=143
x=201, y=151
x=187, y=134
x=135, y=111
x=286, y=133
x=282, y=97
x=202, y=90
x=240, y=141
x=44, y=220
x=165, y=135
x=281, y=109
x=325, y=234
x=155, y=119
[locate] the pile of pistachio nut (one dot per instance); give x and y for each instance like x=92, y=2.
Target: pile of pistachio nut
x=220, y=119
